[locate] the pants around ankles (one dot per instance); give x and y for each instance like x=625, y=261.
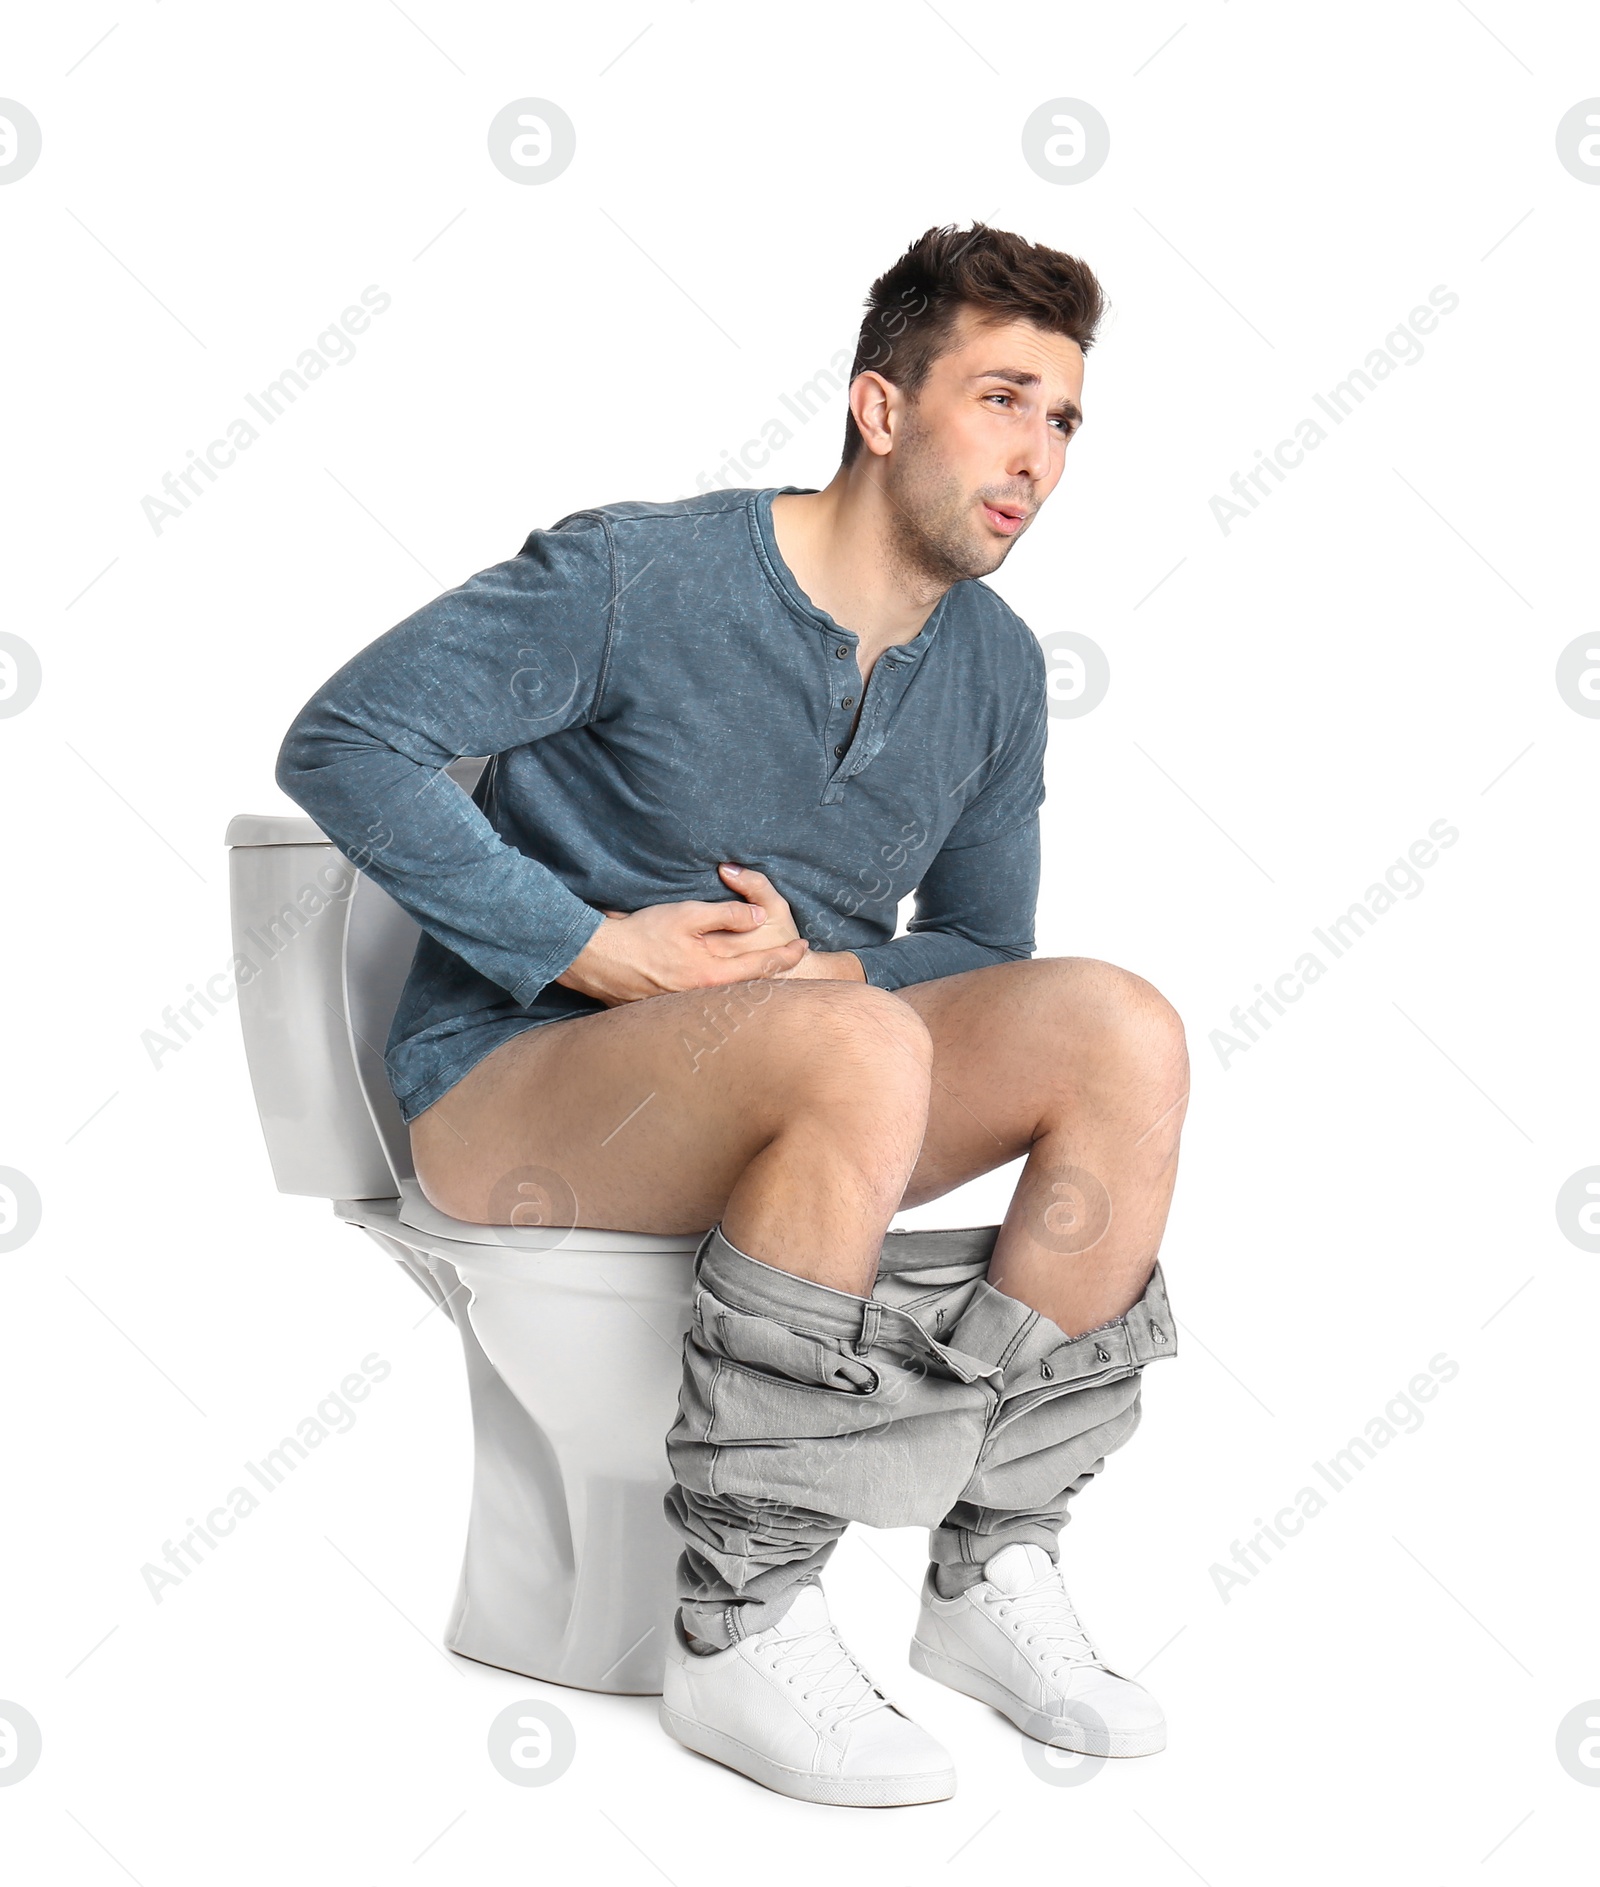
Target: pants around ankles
x=937, y=1401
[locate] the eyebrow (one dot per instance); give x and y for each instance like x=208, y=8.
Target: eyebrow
x=1021, y=377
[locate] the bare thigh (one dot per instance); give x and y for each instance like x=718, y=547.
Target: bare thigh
x=1048, y=1043
x=644, y=1117
x=1083, y=1067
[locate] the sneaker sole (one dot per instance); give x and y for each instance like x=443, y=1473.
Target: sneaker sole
x=836, y=1791
x=1060, y=1731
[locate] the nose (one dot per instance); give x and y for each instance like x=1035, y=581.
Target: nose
x=1030, y=456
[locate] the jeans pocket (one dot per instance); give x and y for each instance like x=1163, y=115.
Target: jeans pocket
x=768, y=1346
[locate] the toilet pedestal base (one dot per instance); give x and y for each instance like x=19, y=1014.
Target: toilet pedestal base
x=528, y=1601
x=573, y=1361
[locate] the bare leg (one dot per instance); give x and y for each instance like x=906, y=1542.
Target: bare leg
x=1082, y=1067
x=790, y=1111
x=804, y=1115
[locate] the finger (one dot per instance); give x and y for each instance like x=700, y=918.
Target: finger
x=757, y=887
x=789, y=958
x=790, y=953
x=745, y=879
x=728, y=946
x=725, y=914
x=772, y=962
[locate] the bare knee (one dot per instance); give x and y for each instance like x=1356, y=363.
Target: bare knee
x=1119, y=1028
x=853, y=1061
x=857, y=1023
x=1148, y=1024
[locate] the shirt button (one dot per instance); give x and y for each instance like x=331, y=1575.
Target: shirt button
x=848, y=702
x=841, y=651
x=839, y=752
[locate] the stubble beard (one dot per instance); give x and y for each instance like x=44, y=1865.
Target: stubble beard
x=930, y=539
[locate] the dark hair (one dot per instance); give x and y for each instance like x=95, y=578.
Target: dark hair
x=913, y=307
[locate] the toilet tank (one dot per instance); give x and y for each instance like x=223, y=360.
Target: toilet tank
x=308, y=1034
x=328, y=953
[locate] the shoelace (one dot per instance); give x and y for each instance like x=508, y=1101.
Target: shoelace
x=832, y=1679
x=1046, y=1605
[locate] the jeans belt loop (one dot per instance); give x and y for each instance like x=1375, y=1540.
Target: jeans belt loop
x=871, y=1318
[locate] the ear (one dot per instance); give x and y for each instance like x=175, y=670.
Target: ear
x=874, y=405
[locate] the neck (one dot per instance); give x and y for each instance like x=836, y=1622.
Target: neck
x=842, y=549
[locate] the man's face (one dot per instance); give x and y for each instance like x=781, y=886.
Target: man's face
x=981, y=447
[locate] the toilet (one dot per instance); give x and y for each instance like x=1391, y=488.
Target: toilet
x=573, y=1338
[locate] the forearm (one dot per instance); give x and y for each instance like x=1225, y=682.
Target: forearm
x=413, y=831
x=924, y=955
x=975, y=907
x=367, y=755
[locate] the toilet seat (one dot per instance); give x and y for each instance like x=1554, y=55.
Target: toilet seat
x=416, y=1212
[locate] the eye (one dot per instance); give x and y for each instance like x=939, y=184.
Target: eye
x=998, y=396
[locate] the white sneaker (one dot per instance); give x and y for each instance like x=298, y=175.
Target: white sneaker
x=791, y=1708
x=1015, y=1642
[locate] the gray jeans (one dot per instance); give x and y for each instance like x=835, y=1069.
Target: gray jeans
x=938, y=1401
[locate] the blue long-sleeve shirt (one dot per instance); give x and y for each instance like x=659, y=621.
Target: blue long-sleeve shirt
x=658, y=695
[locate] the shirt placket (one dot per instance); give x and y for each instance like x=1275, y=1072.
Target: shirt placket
x=877, y=702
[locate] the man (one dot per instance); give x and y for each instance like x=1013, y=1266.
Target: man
x=659, y=977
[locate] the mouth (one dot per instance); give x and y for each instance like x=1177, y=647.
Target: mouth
x=1006, y=519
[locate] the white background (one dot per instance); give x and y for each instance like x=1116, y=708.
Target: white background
x=1374, y=649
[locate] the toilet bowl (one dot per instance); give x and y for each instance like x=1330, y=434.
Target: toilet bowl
x=573, y=1337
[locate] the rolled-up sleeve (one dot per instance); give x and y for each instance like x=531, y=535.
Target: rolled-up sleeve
x=514, y=654
x=977, y=901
